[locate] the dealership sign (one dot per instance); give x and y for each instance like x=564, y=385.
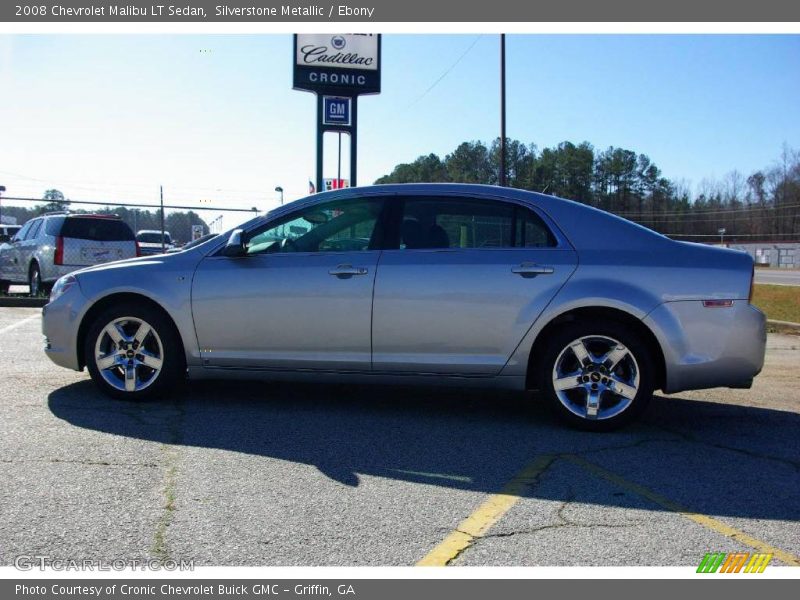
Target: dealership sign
x=344, y=64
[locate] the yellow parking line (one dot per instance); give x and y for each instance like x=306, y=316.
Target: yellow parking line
x=491, y=511
x=486, y=515
x=704, y=520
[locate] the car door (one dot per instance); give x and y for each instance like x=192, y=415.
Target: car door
x=302, y=296
x=468, y=278
x=14, y=268
x=28, y=246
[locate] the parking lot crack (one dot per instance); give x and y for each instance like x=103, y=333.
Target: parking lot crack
x=470, y=539
x=474, y=527
x=172, y=457
x=688, y=437
x=86, y=463
x=564, y=522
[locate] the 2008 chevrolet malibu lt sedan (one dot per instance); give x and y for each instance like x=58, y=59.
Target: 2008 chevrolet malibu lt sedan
x=460, y=284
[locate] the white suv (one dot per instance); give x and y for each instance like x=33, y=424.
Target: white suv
x=149, y=241
x=53, y=245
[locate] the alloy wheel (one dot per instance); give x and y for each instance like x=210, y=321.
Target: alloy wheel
x=596, y=377
x=129, y=354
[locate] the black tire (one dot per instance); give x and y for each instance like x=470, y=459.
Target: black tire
x=35, y=280
x=624, y=334
x=173, y=368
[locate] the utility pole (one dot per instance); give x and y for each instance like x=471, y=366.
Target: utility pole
x=503, y=110
x=163, y=242
x=2, y=189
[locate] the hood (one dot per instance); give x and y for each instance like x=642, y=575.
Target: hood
x=140, y=263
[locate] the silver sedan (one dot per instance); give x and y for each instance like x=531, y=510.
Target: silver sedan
x=460, y=285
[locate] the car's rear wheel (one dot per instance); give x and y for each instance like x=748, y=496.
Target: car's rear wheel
x=133, y=352
x=35, y=280
x=597, y=377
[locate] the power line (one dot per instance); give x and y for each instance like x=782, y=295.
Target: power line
x=99, y=185
x=728, y=235
x=127, y=204
x=447, y=71
x=702, y=211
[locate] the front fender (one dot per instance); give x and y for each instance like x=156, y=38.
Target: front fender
x=169, y=286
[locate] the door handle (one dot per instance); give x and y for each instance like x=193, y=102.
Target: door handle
x=531, y=270
x=347, y=271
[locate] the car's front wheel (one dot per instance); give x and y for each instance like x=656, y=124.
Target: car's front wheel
x=597, y=377
x=133, y=352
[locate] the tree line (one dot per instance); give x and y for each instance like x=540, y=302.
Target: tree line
x=179, y=224
x=764, y=205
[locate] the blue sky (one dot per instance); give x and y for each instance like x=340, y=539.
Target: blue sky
x=214, y=117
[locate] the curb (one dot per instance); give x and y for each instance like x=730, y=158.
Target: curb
x=795, y=327
x=22, y=302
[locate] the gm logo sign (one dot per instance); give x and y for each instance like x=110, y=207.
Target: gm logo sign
x=336, y=110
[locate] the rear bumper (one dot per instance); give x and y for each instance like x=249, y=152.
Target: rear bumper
x=152, y=250
x=709, y=347
x=51, y=273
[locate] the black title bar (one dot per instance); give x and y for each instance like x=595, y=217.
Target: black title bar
x=441, y=11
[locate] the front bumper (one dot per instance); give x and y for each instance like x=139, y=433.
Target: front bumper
x=709, y=347
x=60, y=322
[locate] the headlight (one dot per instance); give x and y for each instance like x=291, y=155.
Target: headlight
x=61, y=286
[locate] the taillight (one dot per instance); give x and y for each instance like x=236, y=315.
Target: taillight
x=58, y=258
x=138, y=249
x=717, y=303
x=752, y=283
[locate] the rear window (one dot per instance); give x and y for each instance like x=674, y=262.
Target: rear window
x=152, y=238
x=98, y=230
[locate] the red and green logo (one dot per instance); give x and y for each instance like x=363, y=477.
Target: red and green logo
x=744, y=562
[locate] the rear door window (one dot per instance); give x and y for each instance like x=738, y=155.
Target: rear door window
x=96, y=229
x=470, y=223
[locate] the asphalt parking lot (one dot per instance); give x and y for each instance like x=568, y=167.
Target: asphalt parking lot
x=268, y=474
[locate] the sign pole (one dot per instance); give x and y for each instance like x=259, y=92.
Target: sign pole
x=354, y=143
x=503, y=110
x=339, y=163
x=320, y=132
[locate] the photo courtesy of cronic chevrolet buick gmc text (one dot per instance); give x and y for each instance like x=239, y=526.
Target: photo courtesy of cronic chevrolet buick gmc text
x=55, y=244
x=423, y=283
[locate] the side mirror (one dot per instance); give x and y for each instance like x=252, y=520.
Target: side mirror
x=235, y=246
